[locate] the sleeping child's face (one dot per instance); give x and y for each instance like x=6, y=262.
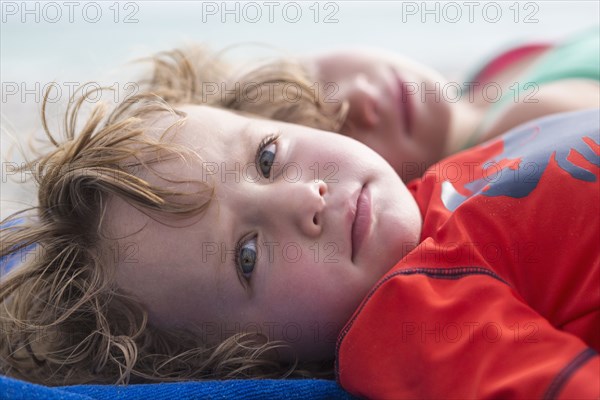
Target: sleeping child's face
x=395, y=106
x=297, y=233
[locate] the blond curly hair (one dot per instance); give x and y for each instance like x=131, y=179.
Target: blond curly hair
x=62, y=318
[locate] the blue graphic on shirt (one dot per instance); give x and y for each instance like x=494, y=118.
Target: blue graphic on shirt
x=531, y=147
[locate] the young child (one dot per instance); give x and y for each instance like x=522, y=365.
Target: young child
x=180, y=241
x=414, y=117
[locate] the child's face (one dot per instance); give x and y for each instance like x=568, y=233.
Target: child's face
x=309, y=274
x=405, y=123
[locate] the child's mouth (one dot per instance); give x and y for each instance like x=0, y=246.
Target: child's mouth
x=404, y=103
x=362, y=219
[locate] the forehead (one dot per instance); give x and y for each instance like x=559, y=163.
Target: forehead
x=348, y=58
x=219, y=135
x=206, y=136
x=217, y=140
x=201, y=128
x=162, y=246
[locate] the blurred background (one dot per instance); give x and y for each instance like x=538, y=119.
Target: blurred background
x=74, y=42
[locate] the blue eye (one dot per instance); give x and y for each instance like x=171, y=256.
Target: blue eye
x=246, y=257
x=265, y=156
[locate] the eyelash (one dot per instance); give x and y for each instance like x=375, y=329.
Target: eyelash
x=267, y=140
x=238, y=248
x=241, y=244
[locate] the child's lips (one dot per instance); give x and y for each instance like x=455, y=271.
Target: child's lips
x=403, y=100
x=361, y=221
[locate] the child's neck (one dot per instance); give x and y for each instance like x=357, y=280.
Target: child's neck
x=464, y=120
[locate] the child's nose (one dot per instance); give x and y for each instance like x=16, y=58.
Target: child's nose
x=302, y=205
x=361, y=96
x=321, y=191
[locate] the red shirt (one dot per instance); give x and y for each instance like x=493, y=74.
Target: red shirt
x=502, y=296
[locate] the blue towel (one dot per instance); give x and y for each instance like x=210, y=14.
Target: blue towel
x=13, y=389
